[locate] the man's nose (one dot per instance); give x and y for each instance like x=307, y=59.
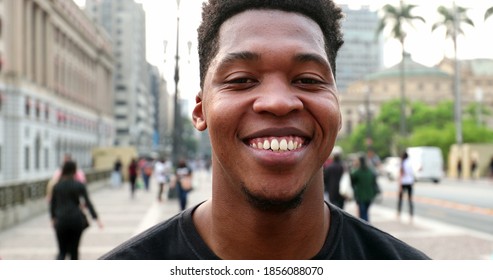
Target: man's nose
x=277, y=98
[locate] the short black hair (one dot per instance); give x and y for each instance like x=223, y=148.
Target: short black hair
x=214, y=13
x=69, y=168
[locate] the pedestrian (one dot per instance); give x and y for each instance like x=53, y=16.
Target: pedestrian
x=459, y=168
x=183, y=172
x=67, y=214
x=79, y=176
x=491, y=167
x=116, y=175
x=132, y=174
x=162, y=172
x=474, y=167
x=269, y=102
x=373, y=160
x=145, y=167
x=363, y=180
x=406, y=182
x=332, y=178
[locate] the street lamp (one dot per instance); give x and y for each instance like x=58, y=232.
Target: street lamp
x=176, y=118
x=368, y=116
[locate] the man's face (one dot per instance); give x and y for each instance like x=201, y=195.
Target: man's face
x=269, y=101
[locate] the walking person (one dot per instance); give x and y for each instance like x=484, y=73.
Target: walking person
x=79, y=176
x=132, y=175
x=363, y=180
x=162, y=172
x=66, y=212
x=116, y=175
x=332, y=179
x=183, y=172
x=146, y=167
x=269, y=103
x=406, y=182
x=459, y=168
x=491, y=167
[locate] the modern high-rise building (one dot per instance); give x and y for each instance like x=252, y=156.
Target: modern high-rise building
x=56, y=90
x=362, y=52
x=134, y=110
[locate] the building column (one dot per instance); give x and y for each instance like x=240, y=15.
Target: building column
x=38, y=45
x=28, y=51
x=50, y=60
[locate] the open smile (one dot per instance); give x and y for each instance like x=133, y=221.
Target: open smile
x=278, y=144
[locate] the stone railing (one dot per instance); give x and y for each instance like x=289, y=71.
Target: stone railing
x=24, y=200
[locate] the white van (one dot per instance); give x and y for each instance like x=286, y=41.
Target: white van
x=427, y=163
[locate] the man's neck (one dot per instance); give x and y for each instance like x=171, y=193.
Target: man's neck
x=242, y=231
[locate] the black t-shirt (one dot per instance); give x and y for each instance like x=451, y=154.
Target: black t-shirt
x=348, y=239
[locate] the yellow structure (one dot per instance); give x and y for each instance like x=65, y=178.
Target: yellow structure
x=467, y=153
x=105, y=157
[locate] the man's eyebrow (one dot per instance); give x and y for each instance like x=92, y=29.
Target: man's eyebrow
x=231, y=58
x=311, y=57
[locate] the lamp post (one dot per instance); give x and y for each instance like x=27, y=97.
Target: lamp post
x=176, y=116
x=369, y=140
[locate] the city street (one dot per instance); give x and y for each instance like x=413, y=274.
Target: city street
x=124, y=217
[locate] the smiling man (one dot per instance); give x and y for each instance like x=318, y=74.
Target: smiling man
x=269, y=101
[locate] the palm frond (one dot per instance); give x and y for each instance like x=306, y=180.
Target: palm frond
x=488, y=13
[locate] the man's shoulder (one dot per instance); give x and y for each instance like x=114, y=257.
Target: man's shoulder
x=174, y=239
x=357, y=239
x=158, y=242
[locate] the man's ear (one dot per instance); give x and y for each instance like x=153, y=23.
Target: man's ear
x=198, y=116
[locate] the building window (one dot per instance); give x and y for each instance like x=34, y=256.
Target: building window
x=47, y=112
x=28, y=106
x=37, y=153
x=37, y=109
x=26, y=158
x=47, y=159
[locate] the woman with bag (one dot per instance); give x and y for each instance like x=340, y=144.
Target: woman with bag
x=67, y=215
x=183, y=182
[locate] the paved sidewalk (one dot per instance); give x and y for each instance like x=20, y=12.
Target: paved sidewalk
x=124, y=217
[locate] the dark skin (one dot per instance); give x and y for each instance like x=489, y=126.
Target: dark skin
x=267, y=86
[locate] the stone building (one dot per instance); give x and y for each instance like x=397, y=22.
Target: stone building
x=56, y=91
x=431, y=85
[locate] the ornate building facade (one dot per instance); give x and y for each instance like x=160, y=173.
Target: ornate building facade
x=56, y=88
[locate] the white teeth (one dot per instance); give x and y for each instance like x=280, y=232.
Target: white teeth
x=277, y=144
x=283, y=145
x=266, y=145
x=290, y=145
x=274, y=145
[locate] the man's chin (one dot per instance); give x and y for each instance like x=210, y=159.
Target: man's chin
x=268, y=204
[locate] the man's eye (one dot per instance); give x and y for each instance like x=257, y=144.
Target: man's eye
x=309, y=81
x=240, y=81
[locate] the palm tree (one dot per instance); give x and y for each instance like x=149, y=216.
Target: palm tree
x=452, y=19
x=488, y=13
x=396, y=18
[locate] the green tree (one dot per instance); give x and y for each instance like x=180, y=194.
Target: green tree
x=431, y=125
x=396, y=18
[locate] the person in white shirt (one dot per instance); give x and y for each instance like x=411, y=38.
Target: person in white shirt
x=162, y=172
x=406, y=182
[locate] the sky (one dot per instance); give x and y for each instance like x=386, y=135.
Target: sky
x=425, y=47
